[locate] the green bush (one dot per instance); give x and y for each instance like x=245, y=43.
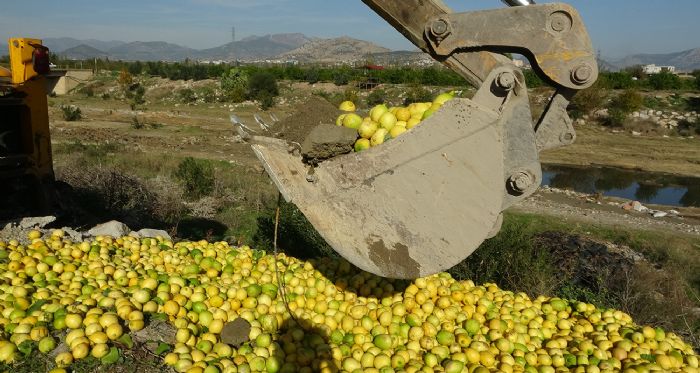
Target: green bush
x=376, y=97
x=313, y=76
x=187, y=96
x=621, y=106
x=417, y=93
x=664, y=81
x=234, y=83
x=197, y=177
x=587, y=101
x=266, y=100
x=71, y=113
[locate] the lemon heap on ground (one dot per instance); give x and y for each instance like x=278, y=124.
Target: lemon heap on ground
x=98, y=291
x=383, y=123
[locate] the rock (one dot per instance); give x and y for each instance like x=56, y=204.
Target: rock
x=660, y=214
x=236, y=332
x=674, y=212
x=156, y=331
x=327, y=141
x=111, y=228
x=637, y=206
x=644, y=116
x=73, y=234
x=602, y=113
x=153, y=233
x=635, y=133
x=580, y=122
x=36, y=222
x=635, y=114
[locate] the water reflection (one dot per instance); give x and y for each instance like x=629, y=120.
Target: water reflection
x=645, y=187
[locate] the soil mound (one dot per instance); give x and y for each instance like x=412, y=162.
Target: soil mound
x=314, y=111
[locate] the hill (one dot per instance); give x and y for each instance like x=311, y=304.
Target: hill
x=343, y=49
x=255, y=47
x=688, y=60
x=83, y=52
x=60, y=45
x=151, y=51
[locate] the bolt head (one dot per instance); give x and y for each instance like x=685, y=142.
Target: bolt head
x=506, y=80
x=521, y=181
x=582, y=74
x=439, y=27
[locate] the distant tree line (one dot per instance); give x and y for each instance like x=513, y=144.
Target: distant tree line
x=629, y=78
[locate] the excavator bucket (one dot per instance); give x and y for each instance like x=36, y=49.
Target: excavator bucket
x=416, y=205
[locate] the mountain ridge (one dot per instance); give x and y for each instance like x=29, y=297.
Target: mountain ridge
x=297, y=46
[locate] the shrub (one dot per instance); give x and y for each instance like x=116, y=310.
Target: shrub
x=266, y=100
x=312, y=76
x=351, y=94
x=196, y=176
x=664, y=81
x=263, y=82
x=417, y=94
x=588, y=100
x=263, y=87
x=187, y=95
x=71, y=113
x=234, y=83
x=137, y=124
x=341, y=78
x=621, y=106
x=125, y=79
x=208, y=94
x=376, y=97
x=88, y=91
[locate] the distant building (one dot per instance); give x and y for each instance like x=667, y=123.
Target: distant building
x=653, y=69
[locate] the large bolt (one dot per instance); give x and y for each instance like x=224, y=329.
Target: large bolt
x=521, y=181
x=440, y=28
x=582, y=74
x=506, y=80
x=560, y=22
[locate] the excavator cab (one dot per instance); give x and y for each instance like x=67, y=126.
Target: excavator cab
x=26, y=168
x=423, y=202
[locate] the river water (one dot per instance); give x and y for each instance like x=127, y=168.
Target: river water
x=645, y=187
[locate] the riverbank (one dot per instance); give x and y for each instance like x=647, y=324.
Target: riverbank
x=597, y=145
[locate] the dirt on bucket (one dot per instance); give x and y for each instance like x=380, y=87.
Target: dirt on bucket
x=314, y=111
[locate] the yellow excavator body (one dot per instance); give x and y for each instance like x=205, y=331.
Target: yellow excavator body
x=26, y=166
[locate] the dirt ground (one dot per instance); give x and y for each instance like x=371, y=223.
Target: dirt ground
x=578, y=207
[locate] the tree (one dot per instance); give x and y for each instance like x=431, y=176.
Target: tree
x=262, y=87
x=665, y=80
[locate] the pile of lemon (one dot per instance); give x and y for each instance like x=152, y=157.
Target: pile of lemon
x=383, y=123
x=90, y=295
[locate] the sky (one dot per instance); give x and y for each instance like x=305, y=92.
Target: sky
x=617, y=27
